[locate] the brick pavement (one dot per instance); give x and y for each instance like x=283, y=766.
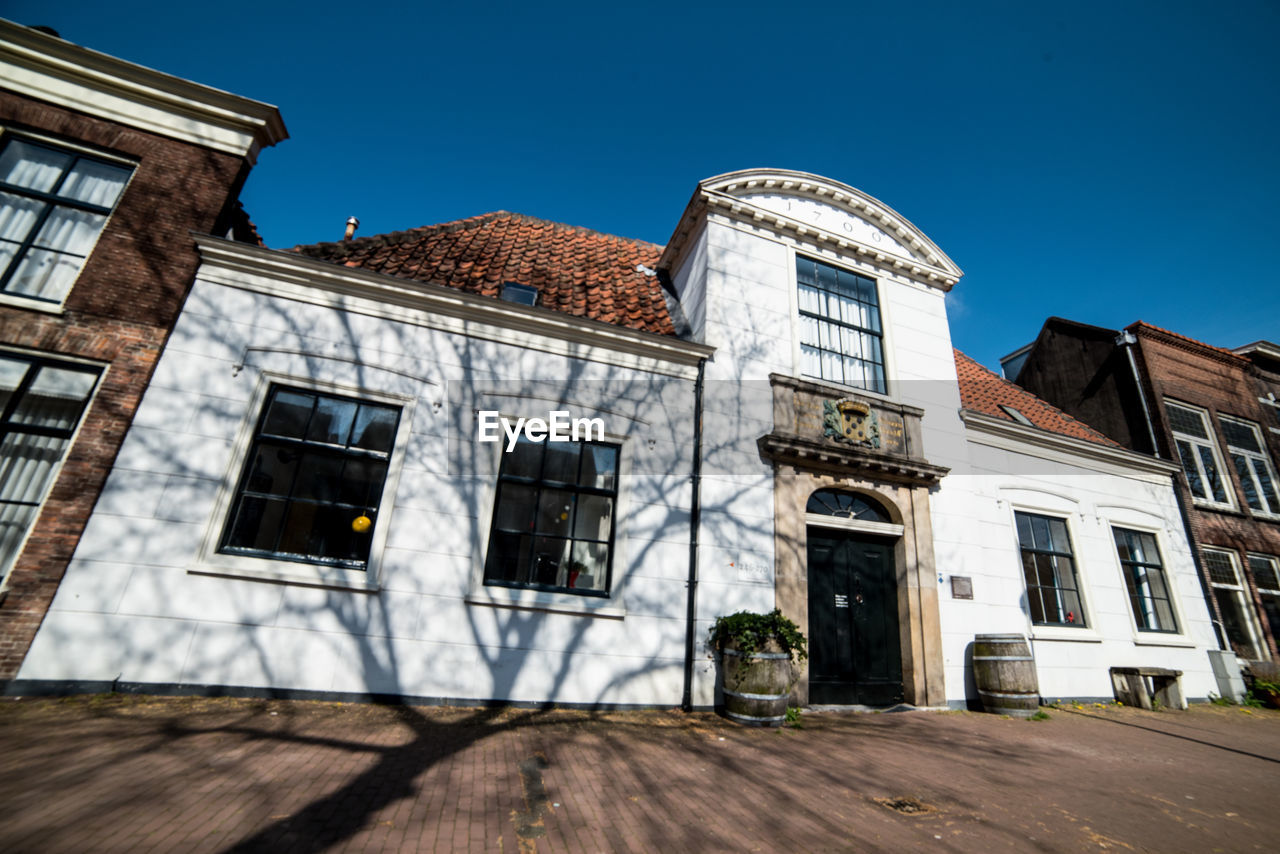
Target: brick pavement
x=135, y=774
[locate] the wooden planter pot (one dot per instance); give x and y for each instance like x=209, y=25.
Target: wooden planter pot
x=756, y=687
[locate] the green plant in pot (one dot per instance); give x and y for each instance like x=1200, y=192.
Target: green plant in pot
x=1266, y=682
x=758, y=654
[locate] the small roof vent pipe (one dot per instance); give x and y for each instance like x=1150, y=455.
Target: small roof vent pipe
x=352, y=225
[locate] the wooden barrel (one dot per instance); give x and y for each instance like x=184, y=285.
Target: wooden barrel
x=1006, y=675
x=756, y=687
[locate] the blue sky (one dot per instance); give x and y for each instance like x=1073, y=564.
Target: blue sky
x=1106, y=162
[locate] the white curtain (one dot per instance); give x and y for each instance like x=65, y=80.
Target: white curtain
x=27, y=462
x=49, y=267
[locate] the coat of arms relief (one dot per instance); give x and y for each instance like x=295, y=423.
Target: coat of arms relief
x=850, y=421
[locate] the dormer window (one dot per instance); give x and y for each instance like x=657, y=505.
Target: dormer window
x=840, y=334
x=522, y=294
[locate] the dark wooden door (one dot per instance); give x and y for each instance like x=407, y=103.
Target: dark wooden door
x=855, y=654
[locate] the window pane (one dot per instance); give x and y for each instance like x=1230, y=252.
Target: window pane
x=362, y=480
x=332, y=421
x=288, y=415
x=550, y=561
x=589, y=568
x=12, y=372
x=26, y=465
x=1220, y=567
x=516, y=504
x=508, y=558
x=319, y=477
x=1186, y=421
x=1246, y=481
x=599, y=467
x=272, y=470
x=1235, y=622
x=593, y=517
x=15, y=519
x=56, y=398
x=808, y=298
x=257, y=523
x=1190, y=469
x=1268, y=486
x=70, y=231
x=1211, y=475
x=524, y=460
x=18, y=216
x=31, y=166
x=95, y=182
x=555, y=510
x=44, y=274
x=1264, y=573
x=375, y=428
x=317, y=487
x=1240, y=436
x=560, y=463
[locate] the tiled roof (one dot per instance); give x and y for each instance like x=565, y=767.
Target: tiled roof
x=983, y=391
x=576, y=270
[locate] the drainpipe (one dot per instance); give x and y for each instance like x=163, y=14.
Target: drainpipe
x=695, y=508
x=1128, y=340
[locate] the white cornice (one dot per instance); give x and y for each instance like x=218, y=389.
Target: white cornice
x=988, y=430
x=724, y=193
x=51, y=69
x=297, y=277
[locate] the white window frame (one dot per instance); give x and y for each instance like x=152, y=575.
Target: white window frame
x=1271, y=592
x=210, y=561
x=1199, y=444
x=1149, y=636
x=794, y=256
x=478, y=593
x=1086, y=633
x=1253, y=458
x=1273, y=403
x=50, y=306
x=1241, y=593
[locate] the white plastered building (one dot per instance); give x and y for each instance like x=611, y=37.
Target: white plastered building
x=784, y=429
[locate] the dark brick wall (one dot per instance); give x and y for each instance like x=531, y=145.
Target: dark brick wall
x=119, y=313
x=1079, y=369
x=1225, y=386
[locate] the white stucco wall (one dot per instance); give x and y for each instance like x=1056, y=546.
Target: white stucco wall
x=132, y=608
x=975, y=537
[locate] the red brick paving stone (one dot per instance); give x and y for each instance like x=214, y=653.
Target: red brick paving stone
x=76, y=778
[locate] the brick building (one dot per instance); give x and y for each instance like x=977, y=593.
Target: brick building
x=105, y=169
x=1212, y=410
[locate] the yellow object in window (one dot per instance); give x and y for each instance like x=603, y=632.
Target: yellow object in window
x=361, y=523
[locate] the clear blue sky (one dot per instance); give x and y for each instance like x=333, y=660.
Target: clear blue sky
x=1106, y=162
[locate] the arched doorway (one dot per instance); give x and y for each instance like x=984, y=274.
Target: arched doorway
x=855, y=653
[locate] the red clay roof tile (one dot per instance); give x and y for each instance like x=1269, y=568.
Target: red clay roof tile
x=576, y=270
x=983, y=391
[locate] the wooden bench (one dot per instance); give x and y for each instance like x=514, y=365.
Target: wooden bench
x=1132, y=687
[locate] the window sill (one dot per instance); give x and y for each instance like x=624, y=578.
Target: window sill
x=32, y=304
x=1180, y=641
x=1229, y=509
x=540, y=600
x=1053, y=633
x=287, y=572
